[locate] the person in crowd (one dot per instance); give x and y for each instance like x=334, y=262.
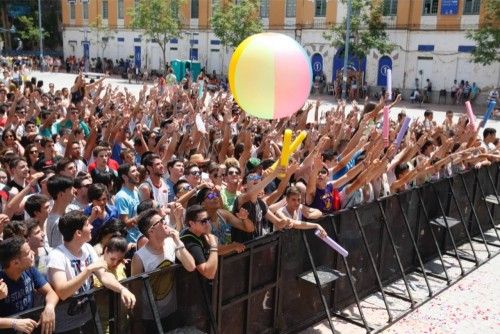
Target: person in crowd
x=200, y=243
x=162, y=249
x=154, y=186
x=81, y=184
x=127, y=199
x=98, y=197
x=71, y=266
x=62, y=192
x=22, y=280
x=175, y=169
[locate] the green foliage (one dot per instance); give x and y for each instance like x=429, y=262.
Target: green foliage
x=232, y=23
x=487, y=37
x=28, y=31
x=367, y=29
x=159, y=19
x=102, y=33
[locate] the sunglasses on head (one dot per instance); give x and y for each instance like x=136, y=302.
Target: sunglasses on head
x=212, y=195
x=254, y=177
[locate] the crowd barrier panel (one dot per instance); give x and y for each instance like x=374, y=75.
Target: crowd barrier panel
x=263, y=289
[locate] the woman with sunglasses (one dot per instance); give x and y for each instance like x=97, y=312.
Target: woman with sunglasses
x=223, y=221
x=9, y=141
x=31, y=154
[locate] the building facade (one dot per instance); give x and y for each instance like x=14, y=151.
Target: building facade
x=430, y=36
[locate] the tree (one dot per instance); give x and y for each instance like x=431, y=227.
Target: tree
x=102, y=32
x=28, y=31
x=487, y=37
x=160, y=20
x=232, y=23
x=367, y=29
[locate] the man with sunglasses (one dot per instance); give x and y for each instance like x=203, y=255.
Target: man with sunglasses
x=229, y=192
x=161, y=250
x=200, y=242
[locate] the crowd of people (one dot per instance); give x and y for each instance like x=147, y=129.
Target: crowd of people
x=97, y=184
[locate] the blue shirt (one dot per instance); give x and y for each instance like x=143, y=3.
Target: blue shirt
x=97, y=224
x=21, y=292
x=126, y=202
x=170, y=186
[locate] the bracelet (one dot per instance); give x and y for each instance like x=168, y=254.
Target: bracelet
x=179, y=248
x=213, y=249
x=13, y=324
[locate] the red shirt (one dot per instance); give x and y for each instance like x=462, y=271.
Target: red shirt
x=111, y=164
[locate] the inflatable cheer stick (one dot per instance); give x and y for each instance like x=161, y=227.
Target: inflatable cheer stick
x=470, y=114
x=290, y=149
x=330, y=242
x=489, y=112
x=389, y=84
x=385, y=126
x=402, y=131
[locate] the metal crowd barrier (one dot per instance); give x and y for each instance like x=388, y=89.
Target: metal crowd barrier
x=287, y=281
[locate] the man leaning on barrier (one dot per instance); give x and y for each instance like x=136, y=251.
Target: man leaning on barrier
x=200, y=242
x=19, y=281
x=71, y=266
x=161, y=251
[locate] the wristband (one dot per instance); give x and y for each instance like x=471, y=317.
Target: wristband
x=179, y=248
x=213, y=249
x=13, y=324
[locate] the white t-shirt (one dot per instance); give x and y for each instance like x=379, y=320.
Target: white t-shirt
x=54, y=236
x=71, y=315
x=163, y=285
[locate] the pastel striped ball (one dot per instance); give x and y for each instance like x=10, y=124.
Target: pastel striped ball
x=270, y=75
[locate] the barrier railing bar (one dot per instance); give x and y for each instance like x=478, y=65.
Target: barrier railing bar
x=244, y=296
x=412, y=238
x=493, y=185
x=440, y=205
x=219, y=291
x=318, y=282
x=95, y=315
x=234, y=257
x=493, y=206
x=208, y=306
x=277, y=289
x=113, y=323
x=351, y=281
x=372, y=260
x=152, y=304
x=395, y=250
x=250, y=281
x=473, y=214
x=433, y=235
x=462, y=221
x=492, y=222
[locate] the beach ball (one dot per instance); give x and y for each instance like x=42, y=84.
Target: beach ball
x=270, y=75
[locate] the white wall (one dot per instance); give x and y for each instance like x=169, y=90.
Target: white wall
x=447, y=63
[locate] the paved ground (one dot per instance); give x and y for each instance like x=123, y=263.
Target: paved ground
x=470, y=306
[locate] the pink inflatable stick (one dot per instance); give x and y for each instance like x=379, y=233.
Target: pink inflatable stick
x=470, y=114
x=329, y=241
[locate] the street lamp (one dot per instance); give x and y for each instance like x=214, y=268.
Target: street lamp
x=40, y=28
x=346, y=49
